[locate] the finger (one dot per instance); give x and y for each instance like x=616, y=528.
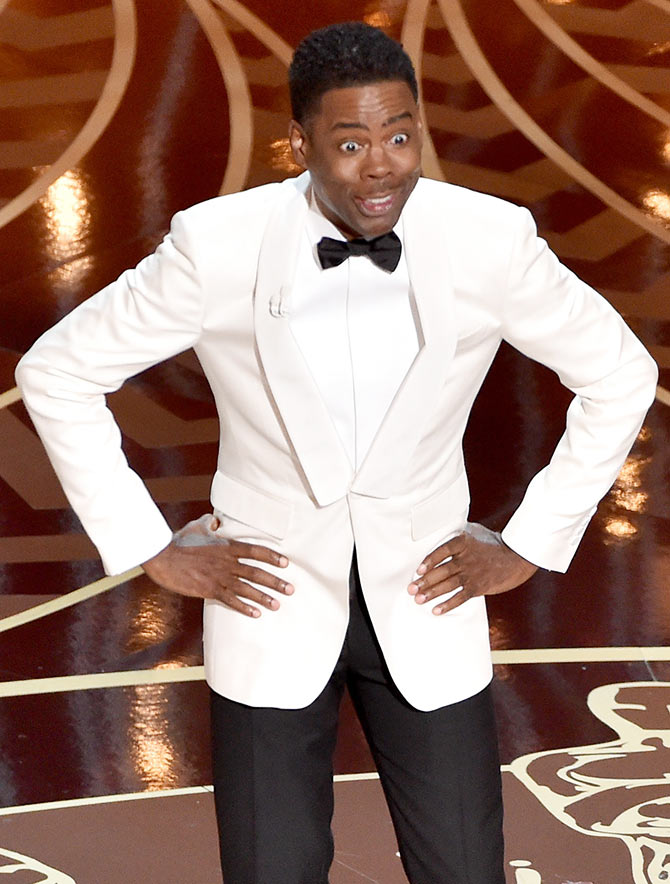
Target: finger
x=230, y=600
x=454, y=602
x=240, y=594
x=245, y=590
x=437, y=575
x=258, y=553
x=257, y=575
x=428, y=593
x=451, y=548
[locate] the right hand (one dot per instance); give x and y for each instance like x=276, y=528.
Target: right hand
x=203, y=564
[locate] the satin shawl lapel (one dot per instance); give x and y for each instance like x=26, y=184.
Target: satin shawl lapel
x=299, y=403
x=424, y=241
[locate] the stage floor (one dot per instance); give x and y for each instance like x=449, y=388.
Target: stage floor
x=115, y=115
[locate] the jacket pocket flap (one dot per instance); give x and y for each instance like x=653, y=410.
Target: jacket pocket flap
x=250, y=506
x=445, y=510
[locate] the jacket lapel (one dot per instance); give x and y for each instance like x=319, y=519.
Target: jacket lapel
x=401, y=429
x=299, y=403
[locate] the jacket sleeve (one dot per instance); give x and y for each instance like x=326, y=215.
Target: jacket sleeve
x=558, y=320
x=149, y=314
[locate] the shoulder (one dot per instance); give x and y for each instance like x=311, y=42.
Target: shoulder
x=461, y=205
x=253, y=206
x=467, y=225
x=230, y=228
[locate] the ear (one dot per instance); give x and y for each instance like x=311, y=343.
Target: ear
x=298, y=140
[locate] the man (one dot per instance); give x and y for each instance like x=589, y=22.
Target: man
x=337, y=552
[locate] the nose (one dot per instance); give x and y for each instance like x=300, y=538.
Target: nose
x=377, y=164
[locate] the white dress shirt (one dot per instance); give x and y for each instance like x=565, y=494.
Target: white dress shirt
x=356, y=327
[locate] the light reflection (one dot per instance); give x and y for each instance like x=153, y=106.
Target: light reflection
x=620, y=528
x=559, y=2
x=73, y=273
x=627, y=494
x=378, y=19
x=626, y=491
x=151, y=749
x=634, y=501
x=499, y=634
x=499, y=638
x=384, y=13
x=281, y=156
x=151, y=624
x=67, y=216
x=658, y=203
x=658, y=48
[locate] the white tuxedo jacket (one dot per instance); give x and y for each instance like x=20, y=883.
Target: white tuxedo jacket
x=221, y=283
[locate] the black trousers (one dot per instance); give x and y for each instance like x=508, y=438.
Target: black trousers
x=439, y=770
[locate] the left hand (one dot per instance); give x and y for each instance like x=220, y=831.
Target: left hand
x=479, y=563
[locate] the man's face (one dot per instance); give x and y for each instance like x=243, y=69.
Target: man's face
x=362, y=148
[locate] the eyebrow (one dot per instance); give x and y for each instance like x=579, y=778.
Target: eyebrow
x=391, y=120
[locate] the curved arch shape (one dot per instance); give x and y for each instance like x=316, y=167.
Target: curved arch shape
x=661, y=4
x=462, y=35
x=413, y=29
x=555, y=33
x=67, y=600
x=269, y=38
x=123, y=60
x=9, y=397
x=239, y=96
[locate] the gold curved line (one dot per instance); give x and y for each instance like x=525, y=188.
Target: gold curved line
x=555, y=33
x=258, y=28
x=67, y=600
x=413, y=28
x=471, y=52
x=355, y=777
x=104, y=799
x=239, y=96
x=123, y=59
x=581, y=655
x=663, y=395
x=135, y=678
x=100, y=681
x=660, y=4
x=124, y=797
x=10, y=397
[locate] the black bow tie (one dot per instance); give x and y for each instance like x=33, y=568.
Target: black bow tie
x=383, y=250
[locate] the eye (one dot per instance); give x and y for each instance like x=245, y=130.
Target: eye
x=349, y=146
x=400, y=138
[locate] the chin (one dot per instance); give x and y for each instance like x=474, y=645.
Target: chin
x=379, y=229
x=376, y=226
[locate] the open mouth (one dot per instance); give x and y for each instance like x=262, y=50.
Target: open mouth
x=377, y=205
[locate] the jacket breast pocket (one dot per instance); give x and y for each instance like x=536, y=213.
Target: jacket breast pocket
x=446, y=511
x=251, y=507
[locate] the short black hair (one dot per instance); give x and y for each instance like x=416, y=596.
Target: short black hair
x=348, y=54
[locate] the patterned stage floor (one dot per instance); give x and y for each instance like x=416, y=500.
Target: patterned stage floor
x=114, y=115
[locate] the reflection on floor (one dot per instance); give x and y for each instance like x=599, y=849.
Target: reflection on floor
x=115, y=114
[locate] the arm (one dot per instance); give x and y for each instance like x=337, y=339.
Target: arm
x=555, y=318
x=147, y=315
